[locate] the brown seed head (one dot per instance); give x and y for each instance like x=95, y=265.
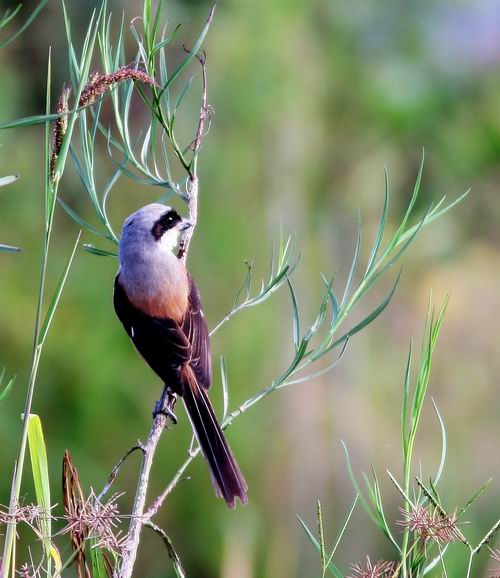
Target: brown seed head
x=381, y=569
x=431, y=525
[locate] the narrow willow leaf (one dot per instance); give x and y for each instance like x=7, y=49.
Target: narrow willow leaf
x=156, y=23
x=57, y=294
x=296, y=316
x=28, y=22
x=8, y=15
x=166, y=40
x=401, y=491
x=8, y=180
x=442, y=461
x=433, y=215
x=8, y=249
x=76, y=217
x=182, y=94
x=435, y=561
x=364, y=503
x=343, y=529
x=370, y=317
x=404, y=409
x=29, y=121
x=225, y=388
x=354, y=264
x=7, y=388
x=192, y=53
x=381, y=227
x=376, y=499
x=99, y=252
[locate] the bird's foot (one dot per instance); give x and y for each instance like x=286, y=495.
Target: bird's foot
x=165, y=405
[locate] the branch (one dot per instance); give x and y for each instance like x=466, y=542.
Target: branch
x=196, y=146
x=138, y=518
x=137, y=515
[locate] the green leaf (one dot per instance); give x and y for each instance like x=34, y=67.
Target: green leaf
x=8, y=15
x=7, y=388
x=225, y=388
x=296, y=316
x=8, y=180
x=381, y=227
x=29, y=121
x=40, y=469
x=31, y=18
x=99, y=252
x=366, y=506
x=99, y=568
x=57, y=294
x=343, y=529
x=9, y=249
x=76, y=217
x=369, y=318
x=442, y=461
x=192, y=53
x=354, y=264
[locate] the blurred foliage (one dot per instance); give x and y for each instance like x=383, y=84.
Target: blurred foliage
x=311, y=100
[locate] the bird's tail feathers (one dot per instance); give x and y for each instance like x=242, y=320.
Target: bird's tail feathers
x=227, y=478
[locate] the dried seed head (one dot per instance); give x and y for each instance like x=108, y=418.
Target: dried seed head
x=30, y=514
x=60, y=127
x=93, y=518
x=381, y=569
x=431, y=525
x=99, y=83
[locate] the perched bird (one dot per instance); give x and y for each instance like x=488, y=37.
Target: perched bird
x=159, y=305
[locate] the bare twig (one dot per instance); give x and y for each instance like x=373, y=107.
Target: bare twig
x=137, y=515
x=138, y=518
x=196, y=146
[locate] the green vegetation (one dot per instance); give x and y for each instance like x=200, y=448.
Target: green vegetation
x=308, y=107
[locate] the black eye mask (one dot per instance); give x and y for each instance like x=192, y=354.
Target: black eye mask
x=167, y=221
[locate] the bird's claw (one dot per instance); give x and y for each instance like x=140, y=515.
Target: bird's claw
x=164, y=406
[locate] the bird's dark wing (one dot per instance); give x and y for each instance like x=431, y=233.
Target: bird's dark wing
x=161, y=342
x=195, y=329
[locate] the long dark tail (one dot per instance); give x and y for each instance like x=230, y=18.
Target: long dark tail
x=227, y=478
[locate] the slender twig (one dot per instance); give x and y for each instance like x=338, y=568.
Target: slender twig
x=138, y=517
x=193, y=176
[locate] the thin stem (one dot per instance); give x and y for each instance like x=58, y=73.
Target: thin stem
x=137, y=515
x=51, y=191
x=469, y=565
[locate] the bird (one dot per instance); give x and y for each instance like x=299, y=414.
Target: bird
x=159, y=305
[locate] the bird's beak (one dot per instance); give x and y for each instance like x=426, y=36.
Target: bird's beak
x=184, y=224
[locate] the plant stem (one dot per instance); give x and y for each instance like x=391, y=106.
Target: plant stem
x=138, y=518
x=137, y=515
x=469, y=565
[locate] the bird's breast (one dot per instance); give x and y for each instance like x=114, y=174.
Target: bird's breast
x=157, y=288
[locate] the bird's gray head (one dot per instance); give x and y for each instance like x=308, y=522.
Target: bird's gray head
x=152, y=228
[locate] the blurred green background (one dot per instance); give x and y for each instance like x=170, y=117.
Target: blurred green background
x=312, y=98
